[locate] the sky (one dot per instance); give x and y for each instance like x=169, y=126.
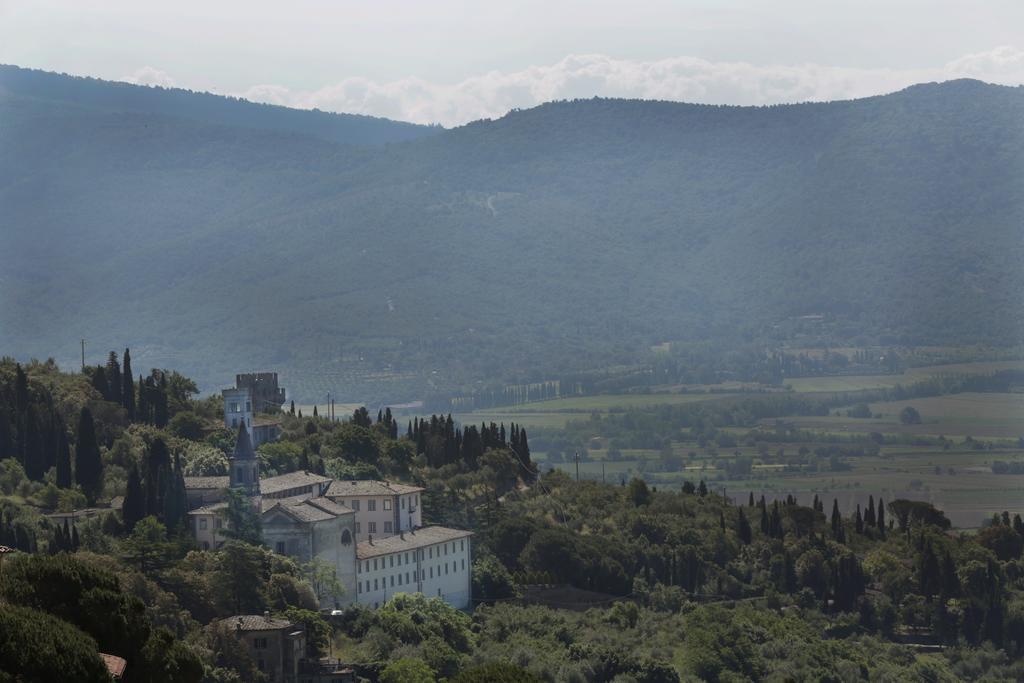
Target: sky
x=450, y=61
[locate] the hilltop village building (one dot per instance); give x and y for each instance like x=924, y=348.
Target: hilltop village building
x=254, y=393
x=370, y=531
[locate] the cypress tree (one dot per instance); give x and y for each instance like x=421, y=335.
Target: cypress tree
x=142, y=409
x=88, y=464
x=63, y=461
x=32, y=456
x=743, y=528
x=837, y=521
x=750, y=501
x=114, y=379
x=869, y=516
x=293, y=409
x=99, y=381
x=20, y=389
x=134, y=507
x=6, y=437
x=314, y=412
x=858, y=521
x=764, y=520
x=175, y=499
x=74, y=539
x=881, y=517
x=128, y=386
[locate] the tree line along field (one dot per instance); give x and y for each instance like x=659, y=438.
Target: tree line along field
x=959, y=481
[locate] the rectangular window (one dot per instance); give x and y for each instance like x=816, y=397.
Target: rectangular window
x=375, y=564
x=372, y=527
x=359, y=585
x=234, y=407
x=375, y=584
x=234, y=422
x=248, y=406
x=371, y=505
x=358, y=530
x=280, y=547
x=391, y=561
x=399, y=578
x=403, y=503
x=463, y=564
x=430, y=553
x=445, y=548
x=387, y=503
x=355, y=505
x=431, y=572
x=260, y=643
x=463, y=543
x=387, y=527
x=407, y=577
x=446, y=569
x=202, y=524
x=392, y=580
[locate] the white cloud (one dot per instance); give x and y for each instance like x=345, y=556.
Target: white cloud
x=689, y=79
x=149, y=75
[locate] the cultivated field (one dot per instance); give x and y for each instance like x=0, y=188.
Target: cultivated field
x=858, y=382
x=557, y=412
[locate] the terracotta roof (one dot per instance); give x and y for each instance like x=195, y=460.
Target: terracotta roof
x=115, y=664
x=369, y=487
x=209, y=509
x=292, y=480
x=429, y=535
x=256, y=622
x=309, y=509
x=220, y=482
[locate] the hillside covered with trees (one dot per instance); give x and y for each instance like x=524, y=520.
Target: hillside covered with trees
x=572, y=581
x=565, y=237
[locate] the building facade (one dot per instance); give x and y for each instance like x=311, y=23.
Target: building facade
x=369, y=531
x=435, y=561
x=382, y=508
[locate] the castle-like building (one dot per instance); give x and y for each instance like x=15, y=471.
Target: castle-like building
x=370, y=531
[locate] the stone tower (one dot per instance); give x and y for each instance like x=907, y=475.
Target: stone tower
x=244, y=466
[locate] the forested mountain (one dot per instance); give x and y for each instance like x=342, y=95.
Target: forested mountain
x=564, y=236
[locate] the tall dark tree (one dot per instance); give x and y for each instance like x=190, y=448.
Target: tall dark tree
x=743, y=527
x=88, y=464
x=881, y=517
x=7, y=449
x=63, y=460
x=175, y=499
x=128, y=385
x=869, y=515
x=20, y=389
x=114, y=379
x=33, y=459
x=99, y=381
x=858, y=521
x=134, y=507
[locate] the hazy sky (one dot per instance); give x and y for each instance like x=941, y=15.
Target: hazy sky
x=449, y=61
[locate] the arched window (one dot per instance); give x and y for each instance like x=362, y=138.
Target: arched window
x=346, y=537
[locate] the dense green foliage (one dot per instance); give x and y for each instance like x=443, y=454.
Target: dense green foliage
x=887, y=216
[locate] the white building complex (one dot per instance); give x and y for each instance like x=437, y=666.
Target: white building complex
x=370, y=531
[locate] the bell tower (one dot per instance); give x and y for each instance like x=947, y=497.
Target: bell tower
x=244, y=466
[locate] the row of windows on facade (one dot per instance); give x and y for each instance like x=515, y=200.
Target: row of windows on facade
x=365, y=565
x=417, y=575
x=371, y=505
x=235, y=407
x=202, y=523
x=371, y=527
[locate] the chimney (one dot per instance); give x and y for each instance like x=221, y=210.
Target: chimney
x=371, y=539
x=266, y=615
x=401, y=535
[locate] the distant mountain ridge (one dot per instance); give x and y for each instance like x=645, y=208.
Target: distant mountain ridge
x=206, y=107
x=569, y=235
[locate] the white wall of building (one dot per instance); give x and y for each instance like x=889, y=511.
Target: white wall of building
x=441, y=571
x=383, y=516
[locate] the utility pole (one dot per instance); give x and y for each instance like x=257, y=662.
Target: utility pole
x=577, y=465
x=83, y=355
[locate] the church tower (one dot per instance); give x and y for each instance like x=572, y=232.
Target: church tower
x=244, y=466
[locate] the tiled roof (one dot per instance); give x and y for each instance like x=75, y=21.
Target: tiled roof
x=255, y=622
x=369, y=487
x=309, y=509
x=4, y=550
x=292, y=480
x=207, y=482
x=209, y=509
x=115, y=664
x=421, y=538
